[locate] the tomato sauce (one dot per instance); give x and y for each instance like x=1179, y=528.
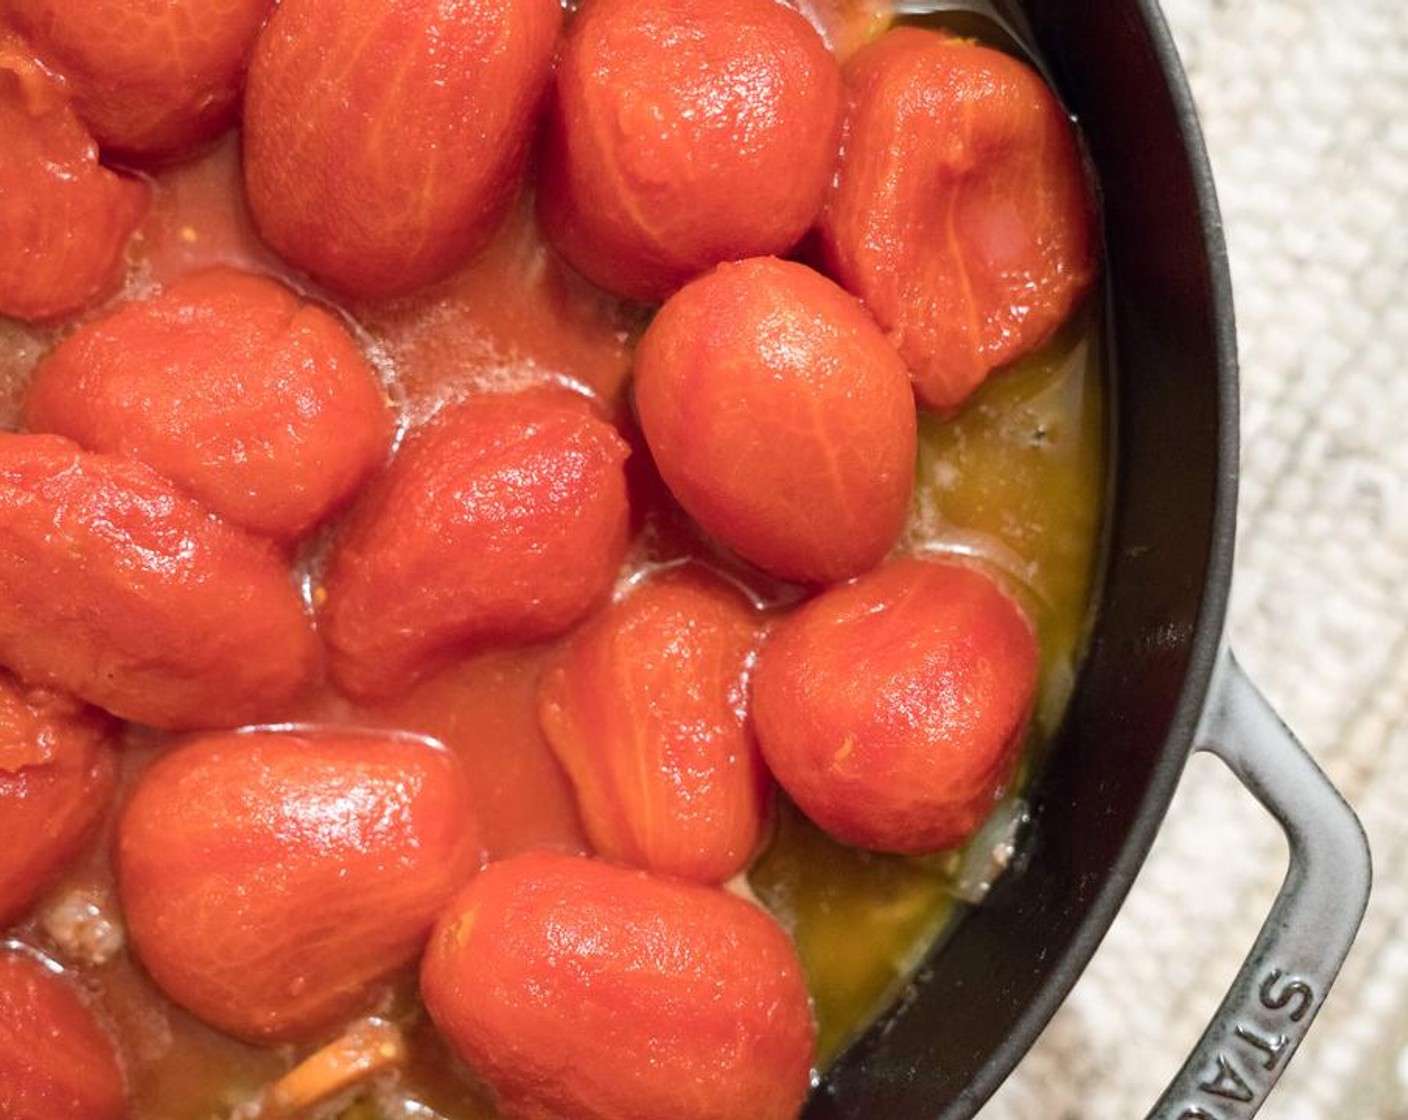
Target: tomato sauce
x=1015, y=482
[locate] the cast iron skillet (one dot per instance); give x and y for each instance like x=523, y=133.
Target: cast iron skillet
x=1158, y=682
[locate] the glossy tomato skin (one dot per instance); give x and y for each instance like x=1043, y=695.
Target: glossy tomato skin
x=960, y=213
x=150, y=78
x=117, y=587
x=683, y=133
x=583, y=991
x=646, y=709
x=271, y=880
x=64, y=218
x=57, y=773
x=56, y=1061
x=257, y=403
x=452, y=91
x=780, y=418
x=892, y=709
x=503, y=521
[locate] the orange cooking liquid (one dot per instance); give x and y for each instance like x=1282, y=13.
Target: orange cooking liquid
x=1016, y=481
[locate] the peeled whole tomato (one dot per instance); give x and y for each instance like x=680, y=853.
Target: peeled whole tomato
x=582, y=991
x=117, y=587
x=150, y=78
x=780, y=418
x=892, y=709
x=64, y=218
x=272, y=880
x=57, y=1062
x=255, y=401
x=960, y=212
x=58, y=769
x=502, y=521
x=683, y=133
x=646, y=710
x=384, y=141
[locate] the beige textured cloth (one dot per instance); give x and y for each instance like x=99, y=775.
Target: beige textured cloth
x=1305, y=110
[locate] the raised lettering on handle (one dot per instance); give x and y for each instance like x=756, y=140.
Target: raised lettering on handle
x=1283, y=982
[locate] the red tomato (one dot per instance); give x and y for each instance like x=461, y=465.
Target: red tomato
x=892, y=709
x=56, y=1062
x=148, y=77
x=501, y=522
x=118, y=588
x=384, y=140
x=64, y=218
x=258, y=404
x=780, y=418
x=684, y=133
x=960, y=213
x=583, y=991
x=271, y=880
x=57, y=769
x=646, y=710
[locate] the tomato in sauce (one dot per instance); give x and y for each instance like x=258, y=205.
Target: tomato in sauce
x=1012, y=484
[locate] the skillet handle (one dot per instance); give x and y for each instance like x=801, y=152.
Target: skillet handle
x=1284, y=979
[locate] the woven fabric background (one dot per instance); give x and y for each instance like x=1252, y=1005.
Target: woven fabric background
x=1305, y=111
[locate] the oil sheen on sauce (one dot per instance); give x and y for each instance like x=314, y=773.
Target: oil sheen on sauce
x=1014, y=483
